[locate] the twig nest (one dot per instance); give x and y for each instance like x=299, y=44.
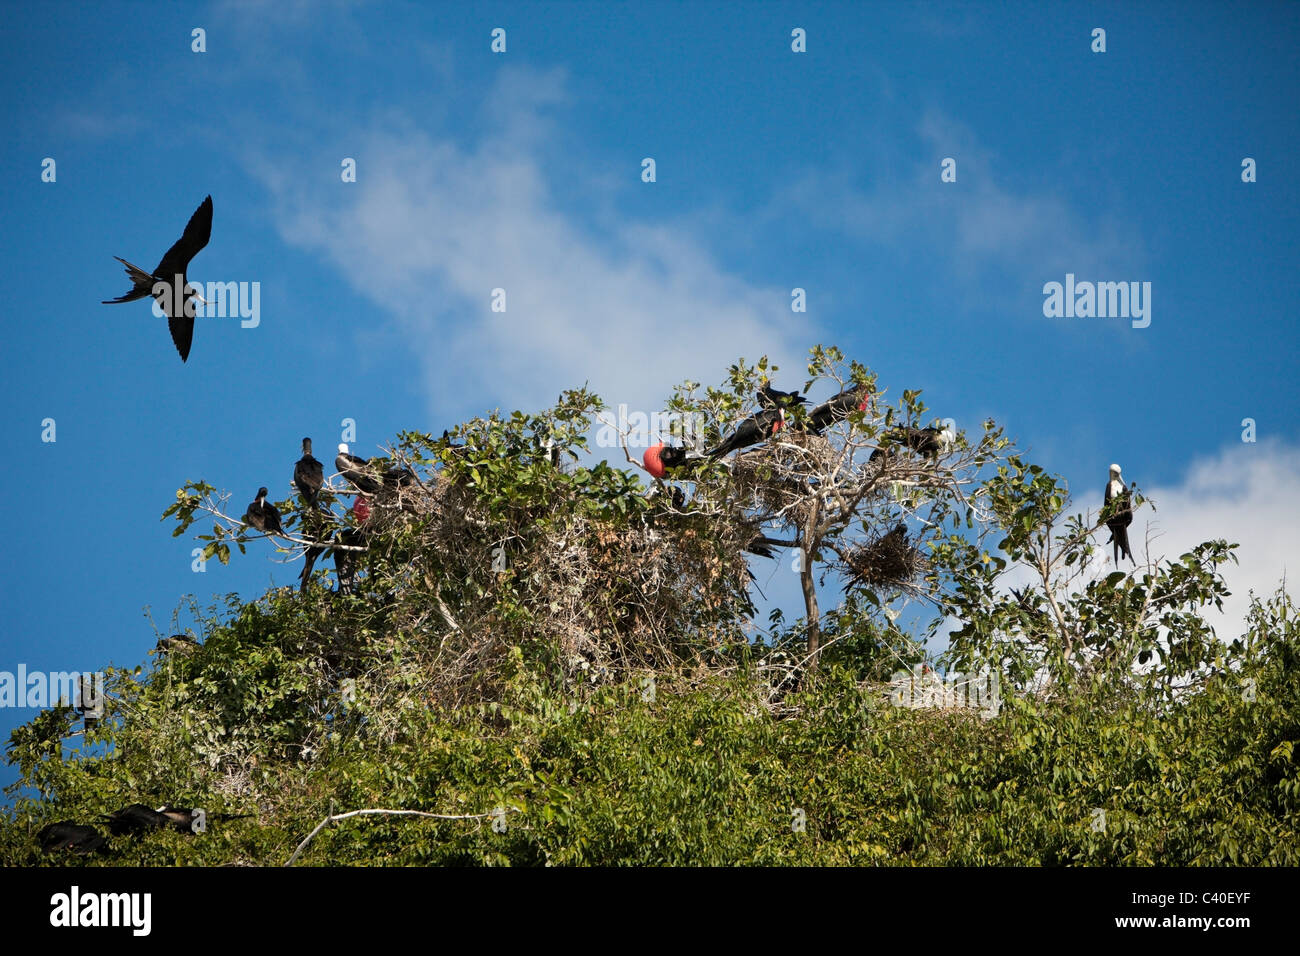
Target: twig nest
x=890, y=561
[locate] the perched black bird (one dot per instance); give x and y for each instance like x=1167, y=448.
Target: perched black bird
x=770, y=397
x=925, y=441
x=1023, y=599
x=839, y=406
x=345, y=561
x=458, y=449
x=355, y=470
x=136, y=818
x=897, y=537
x=66, y=835
x=308, y=475
x=657, y=459
x=176, y=643
x=758, y=427
x=399, y=476
x=171, y=271
x=263, y=515
x=1117, y=510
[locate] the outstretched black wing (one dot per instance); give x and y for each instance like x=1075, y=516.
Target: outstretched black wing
x=197, y=232
x=182, y=330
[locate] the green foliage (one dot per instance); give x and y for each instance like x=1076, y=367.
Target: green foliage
x=707, y=775
x=596, y=685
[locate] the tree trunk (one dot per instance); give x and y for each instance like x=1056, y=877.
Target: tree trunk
x=811, y=611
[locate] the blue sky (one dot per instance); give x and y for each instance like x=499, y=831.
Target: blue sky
x=522, y=170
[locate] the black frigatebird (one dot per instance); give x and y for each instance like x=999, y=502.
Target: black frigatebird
x=361, y=472
x=345, y=561
x=659, y=458
x=839, y=406
x=66, y=835
x=355, y=470
x=770, y=397
x=176, y=643
x=1117, y=510
x=756, y=428
x=308, y=475
x=263, y=515
x=171, y=272
x=136, y=818
x=403, y=477
x=925, y=441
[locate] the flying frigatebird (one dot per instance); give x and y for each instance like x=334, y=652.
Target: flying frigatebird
x=263, y=515
x=174, y=296
x=1117, y=510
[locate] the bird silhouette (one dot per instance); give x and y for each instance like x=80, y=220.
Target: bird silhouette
x=308, y=474
x=174, y=296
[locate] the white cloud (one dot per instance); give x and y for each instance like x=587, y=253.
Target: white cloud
x=433, y=225
x=1246, y=494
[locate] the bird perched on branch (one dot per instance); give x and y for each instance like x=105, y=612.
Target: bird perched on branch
x=175, y=292
x=345, y=561
x=930, y=442
x=837, y=407
x=355, y=470
x=66, y=835
x=754, y=429
x=136, y=818
x=362, y=472
x=308, y=475
x=263, y=515
x=1117, y=511
x=176, y=644
x=659, y=459
x=770, y=397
